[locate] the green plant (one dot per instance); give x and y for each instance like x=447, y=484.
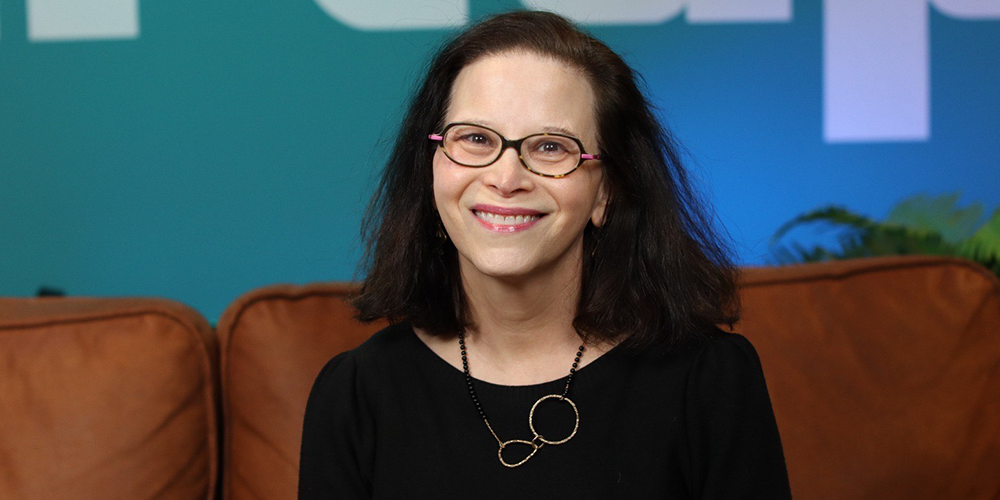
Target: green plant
x=919, y=225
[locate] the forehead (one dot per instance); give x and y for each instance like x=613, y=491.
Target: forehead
x=520, y=93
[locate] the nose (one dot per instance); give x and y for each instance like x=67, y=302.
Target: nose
x=507, y=175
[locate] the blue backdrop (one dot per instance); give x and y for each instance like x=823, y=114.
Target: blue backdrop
x=197, y=149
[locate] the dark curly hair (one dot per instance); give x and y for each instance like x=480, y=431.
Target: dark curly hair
x=654, y=272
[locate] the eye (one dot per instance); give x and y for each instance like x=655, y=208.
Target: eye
x=551, y=147
x=475, y=139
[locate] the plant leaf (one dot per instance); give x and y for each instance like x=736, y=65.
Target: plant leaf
x=938, y=214
x=860, y=237
x=831, y=214
x=984, y=245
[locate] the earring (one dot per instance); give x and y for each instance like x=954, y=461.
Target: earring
x=441, y=233
x=597, y=241
x=442, y=237
x=598, y=231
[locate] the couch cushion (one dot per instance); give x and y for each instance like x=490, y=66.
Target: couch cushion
x=884, y=375
x=274, y=342
x=106, y=398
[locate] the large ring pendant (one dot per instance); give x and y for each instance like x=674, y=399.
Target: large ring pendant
x=538, y=441
x=531, y=419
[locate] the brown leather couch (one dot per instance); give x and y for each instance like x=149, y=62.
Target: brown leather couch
x=884, y=375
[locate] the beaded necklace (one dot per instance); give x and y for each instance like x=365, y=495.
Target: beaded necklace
x=538, y=441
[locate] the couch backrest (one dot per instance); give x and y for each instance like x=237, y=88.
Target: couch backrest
x=106, y=398
x=274, y=341
x=884, y=375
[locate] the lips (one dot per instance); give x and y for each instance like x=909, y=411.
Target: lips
x=506, y=219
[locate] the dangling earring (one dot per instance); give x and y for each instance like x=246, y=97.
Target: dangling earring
x=442, y=237
x=598, y=232
x=597, y=242
x=441, y=234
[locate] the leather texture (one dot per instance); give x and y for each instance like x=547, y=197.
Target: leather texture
x=106, y=398
x=274, y=342
x=884, y=375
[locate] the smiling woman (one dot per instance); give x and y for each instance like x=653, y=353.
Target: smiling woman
x=553, y=299
x=521, y=93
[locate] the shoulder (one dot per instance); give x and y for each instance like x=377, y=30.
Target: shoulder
x=391, y=341
x=700, y=362
x=717, y=348
x=724, y=372
x=734, y=445
x=383, y=349
x=711, y=343
x=708, y=362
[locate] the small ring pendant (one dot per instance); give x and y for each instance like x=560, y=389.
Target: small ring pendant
x=538, y=441
x=503, y=445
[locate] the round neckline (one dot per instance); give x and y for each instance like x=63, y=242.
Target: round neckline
x=592, y=367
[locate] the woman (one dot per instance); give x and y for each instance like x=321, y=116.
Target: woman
x=553, y=289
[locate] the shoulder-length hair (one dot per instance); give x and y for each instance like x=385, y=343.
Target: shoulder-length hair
x=652, y=273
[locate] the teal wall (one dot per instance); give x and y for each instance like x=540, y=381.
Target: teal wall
x=220, y=146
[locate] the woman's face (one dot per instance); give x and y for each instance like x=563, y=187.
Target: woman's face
x=505, y=221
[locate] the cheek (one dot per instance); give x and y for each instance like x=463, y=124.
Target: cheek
x=581, y=199
x=448, y=182
x=438, y=180
x=435, y=188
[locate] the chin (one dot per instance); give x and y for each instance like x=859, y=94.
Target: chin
x=499, y=264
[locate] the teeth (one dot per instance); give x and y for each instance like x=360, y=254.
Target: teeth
x=511, y=220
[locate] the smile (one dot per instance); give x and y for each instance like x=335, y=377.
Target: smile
x=506, y=220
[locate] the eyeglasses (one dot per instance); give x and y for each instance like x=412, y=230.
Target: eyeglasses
x=545, y=154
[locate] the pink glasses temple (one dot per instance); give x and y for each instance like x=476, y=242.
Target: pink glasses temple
x=435, y=137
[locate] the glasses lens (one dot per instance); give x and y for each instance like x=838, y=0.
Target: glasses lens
x=551, y=154
x=471, y=146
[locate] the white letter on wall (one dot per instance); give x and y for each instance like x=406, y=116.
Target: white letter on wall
x=969, y=9
x=396, y=14
x=876, y=81
x=611, y=12
x=57, y=20
x=739, y=11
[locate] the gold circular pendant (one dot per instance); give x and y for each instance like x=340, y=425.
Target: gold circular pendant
x=531, y=419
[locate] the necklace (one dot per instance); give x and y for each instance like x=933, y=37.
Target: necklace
x=538, y=441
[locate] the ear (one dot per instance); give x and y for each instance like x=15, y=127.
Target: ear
x=600, y=203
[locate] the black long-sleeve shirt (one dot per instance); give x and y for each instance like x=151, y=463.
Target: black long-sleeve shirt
x=392, y=420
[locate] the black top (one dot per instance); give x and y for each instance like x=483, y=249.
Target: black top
x=392, y=420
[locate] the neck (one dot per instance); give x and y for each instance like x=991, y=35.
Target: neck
x=523, y=328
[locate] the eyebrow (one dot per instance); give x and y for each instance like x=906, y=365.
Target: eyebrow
x=549, y=130
x=559, y=130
